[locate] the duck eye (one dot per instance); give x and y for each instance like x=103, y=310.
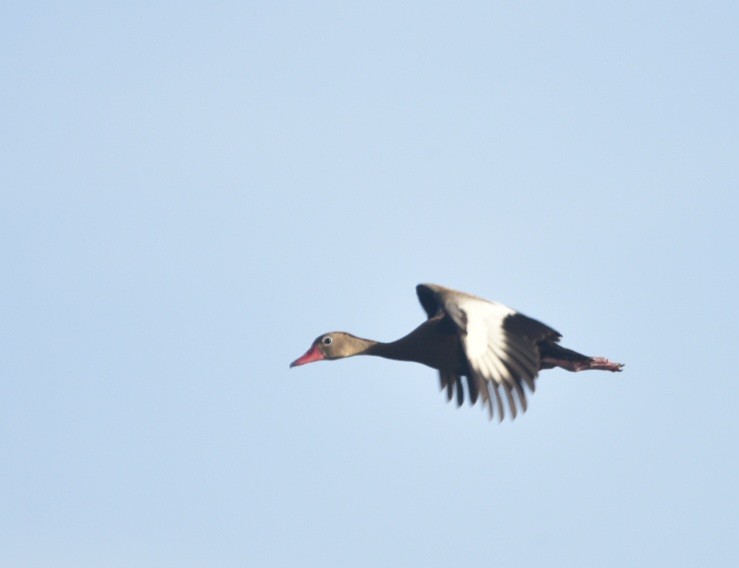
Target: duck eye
x=327, y=341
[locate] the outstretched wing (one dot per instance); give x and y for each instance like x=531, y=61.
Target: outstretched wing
x=500, y=344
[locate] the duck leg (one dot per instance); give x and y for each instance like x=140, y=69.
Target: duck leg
x=553, y=355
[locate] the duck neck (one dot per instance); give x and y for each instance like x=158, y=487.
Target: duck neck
x=396, y=350
x=361, y=346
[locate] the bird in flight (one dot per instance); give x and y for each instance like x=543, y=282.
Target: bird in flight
x=497, y=350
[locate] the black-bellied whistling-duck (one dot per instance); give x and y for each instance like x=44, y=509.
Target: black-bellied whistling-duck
x=494, y=347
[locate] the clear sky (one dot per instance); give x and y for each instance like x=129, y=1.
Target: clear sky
x=191, y=192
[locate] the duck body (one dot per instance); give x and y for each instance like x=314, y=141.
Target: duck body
x=497, y=350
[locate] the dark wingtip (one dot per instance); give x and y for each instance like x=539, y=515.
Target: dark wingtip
x=427, y=298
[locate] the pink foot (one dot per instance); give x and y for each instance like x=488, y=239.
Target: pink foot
x=581, y=364
x=602, y=364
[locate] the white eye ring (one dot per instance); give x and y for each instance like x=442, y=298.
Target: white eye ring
x=326, y=341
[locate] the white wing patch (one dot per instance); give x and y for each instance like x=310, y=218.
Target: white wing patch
x=484, y=325
x=496, y=358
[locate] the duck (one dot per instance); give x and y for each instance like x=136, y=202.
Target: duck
x=495, y=349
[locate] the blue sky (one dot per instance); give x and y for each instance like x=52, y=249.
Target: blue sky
x=191, y=194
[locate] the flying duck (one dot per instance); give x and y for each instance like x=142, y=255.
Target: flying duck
x=498, y=350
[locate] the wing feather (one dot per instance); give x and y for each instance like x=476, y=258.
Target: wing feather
x=509, y=396
x=493, y=386
x=473, y=390
x=517, y=385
